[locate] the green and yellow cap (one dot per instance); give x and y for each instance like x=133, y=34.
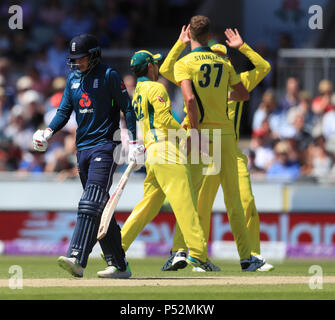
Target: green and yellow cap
x=142, y=58
x=219, y=48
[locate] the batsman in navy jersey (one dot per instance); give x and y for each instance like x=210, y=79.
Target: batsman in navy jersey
x=96, y=93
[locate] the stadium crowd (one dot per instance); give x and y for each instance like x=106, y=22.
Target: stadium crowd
x=293, y=136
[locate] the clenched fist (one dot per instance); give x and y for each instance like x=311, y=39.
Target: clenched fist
x=40, y=139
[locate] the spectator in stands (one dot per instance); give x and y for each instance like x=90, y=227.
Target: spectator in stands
x=23, y=84
x=3, y=160
x=10, y=154
x=262, y=145
x=77, y=21
x=51, y=13
x=33, y=161
x=291, y=97
x=304, y=106
x=102, y=33
x=19, y=51
x=56, y=55
x=40, y=84
x=328, y=122
x=282, y=168
x=267, y=110
x=252, y=167
x=4, y=111
x=33, y=108
x=322, y=160
x=298, y=130
x=294, y=154
x=19, y=130
x=322, y=103
x=43, y=65
x=58, y=86
x=63, y=161
x=118, y=25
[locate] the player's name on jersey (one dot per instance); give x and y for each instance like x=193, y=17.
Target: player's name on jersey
x=205, y=57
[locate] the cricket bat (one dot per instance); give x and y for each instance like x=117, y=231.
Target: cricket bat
x=108, y=212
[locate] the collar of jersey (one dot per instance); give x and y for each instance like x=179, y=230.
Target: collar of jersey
x=203, y=48
x=143, y=79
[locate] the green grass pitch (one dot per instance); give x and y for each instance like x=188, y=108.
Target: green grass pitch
x=149, y=269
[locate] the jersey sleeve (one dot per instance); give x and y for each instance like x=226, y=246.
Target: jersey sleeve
x=159, y=99
x=64, y=109
x=122, y=99
x=234, y=78
x=252, y=78
x=167, y=67
x=181, y=72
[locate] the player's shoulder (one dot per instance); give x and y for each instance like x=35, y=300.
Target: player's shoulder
x=184, y=59
x=159, y=86
x=72, y=78
x=155, y=87
x=109, y=71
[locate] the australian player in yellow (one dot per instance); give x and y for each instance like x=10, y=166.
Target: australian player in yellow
x=165, y=176
x=211, y=183
x=204, y=78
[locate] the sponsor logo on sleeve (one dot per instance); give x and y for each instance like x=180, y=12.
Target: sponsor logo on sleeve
x=75, y=85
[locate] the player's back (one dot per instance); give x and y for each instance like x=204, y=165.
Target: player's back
x=152, y=107
x=211, y=75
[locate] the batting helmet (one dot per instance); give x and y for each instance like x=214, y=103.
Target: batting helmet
x=82, y=46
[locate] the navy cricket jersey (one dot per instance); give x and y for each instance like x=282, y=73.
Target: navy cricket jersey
x=97, y=100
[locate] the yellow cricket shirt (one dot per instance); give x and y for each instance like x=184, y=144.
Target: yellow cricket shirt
x=211, y=75
x=152, y=107
x=250, y=80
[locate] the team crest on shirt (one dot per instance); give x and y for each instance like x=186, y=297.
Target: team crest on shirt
x=96, y=83
x=160, y=99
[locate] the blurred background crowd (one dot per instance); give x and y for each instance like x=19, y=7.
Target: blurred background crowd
x=290, y=136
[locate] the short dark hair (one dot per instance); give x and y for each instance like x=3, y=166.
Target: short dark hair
x=141, y=72
x=199, y=28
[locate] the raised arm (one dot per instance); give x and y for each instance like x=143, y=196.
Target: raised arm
x=251, y=78
x=166, y=69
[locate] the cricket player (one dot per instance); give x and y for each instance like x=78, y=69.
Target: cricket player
x=166, y=177
x=211, y=183
x=96, y=93
x=202, y=75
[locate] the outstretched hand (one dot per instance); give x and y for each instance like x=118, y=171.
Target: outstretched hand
x=234, y=38
x=185, y=34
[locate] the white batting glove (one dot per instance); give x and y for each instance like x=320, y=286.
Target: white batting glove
x=136, y=154
x=40, y=139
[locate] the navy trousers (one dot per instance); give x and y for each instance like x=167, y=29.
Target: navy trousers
x=96, y=168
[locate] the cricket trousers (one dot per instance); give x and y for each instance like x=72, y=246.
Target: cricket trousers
x=229, y=180
x=96, y=168
x=207, y=195
x=173, y=181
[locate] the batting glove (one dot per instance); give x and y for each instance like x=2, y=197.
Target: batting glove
x=40, y=139
x=136, y=154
